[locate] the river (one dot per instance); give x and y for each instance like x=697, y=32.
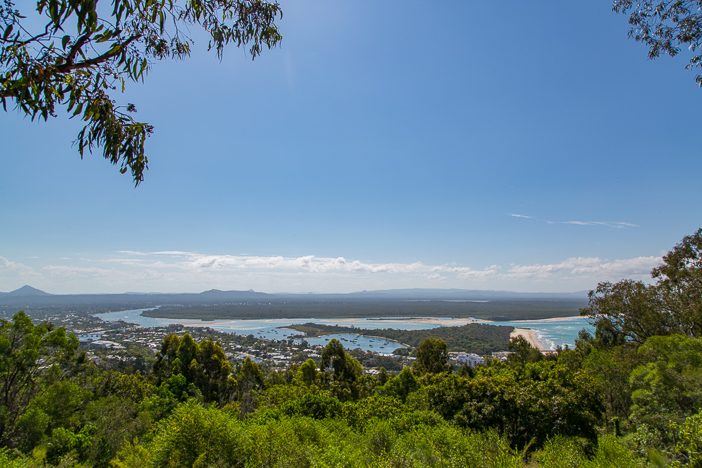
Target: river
x=551, y=332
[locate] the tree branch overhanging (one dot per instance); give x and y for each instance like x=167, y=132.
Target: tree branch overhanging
x=41, y=72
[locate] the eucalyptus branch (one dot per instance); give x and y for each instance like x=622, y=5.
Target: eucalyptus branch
x=69, y=71
x=113, y=52
x=80, y=42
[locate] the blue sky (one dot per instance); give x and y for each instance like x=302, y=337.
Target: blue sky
x=398, y=138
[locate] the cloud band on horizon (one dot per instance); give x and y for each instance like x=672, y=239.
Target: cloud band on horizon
x=184, y=271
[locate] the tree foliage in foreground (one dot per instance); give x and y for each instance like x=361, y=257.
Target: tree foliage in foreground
x=75, y=55
x=30, y=357
x=432, y=356
x=202, y=367
x=666, y=27
x=634, y=311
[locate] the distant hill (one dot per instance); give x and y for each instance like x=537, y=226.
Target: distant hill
x=28, y=298
x=463, y=294
x=216, y=303
x=26, y=291
x=236, y=295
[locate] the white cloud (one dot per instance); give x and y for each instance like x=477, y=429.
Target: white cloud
x=14, y=274
x=467, y=272
x=183, y=271
x=9, y=267
x=308, y=263
x=574, y=267
x=588, y=266
x=75, y=271
x=610, y=224
x=131, y=252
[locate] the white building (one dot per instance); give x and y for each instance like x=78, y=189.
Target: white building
x=471, y=359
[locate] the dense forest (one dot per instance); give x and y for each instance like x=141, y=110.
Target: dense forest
x=472, y=337
x=629, y=395
x=494, y=309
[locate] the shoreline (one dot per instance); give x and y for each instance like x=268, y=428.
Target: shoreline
x=531, y=336
x=551, y=319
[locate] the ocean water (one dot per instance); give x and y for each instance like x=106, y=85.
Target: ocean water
x=352, y=341
x=551, y=332
x=555, y=332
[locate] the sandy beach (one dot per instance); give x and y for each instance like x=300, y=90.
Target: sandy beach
x=530, y=336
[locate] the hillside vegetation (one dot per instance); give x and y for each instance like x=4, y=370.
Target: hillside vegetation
x=497, y=309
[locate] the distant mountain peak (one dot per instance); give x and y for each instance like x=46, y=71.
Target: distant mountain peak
x=219, y=292
x=27, y=290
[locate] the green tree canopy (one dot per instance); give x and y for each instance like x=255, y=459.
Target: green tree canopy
x=528, y=404
x=75, y=55
x=690, y=440
x=342, y=372
x=679, y=284
x=668, y=386
x=342, y=365
x=308, y=372
x=29, y=356
x=432, y=356
x=523, y=351
x=203, y=365
x=634, y=311
x=401, y=385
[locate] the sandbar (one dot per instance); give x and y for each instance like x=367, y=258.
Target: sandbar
x=551, y=319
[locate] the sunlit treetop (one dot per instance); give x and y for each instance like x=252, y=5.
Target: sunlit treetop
x=75, y=55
